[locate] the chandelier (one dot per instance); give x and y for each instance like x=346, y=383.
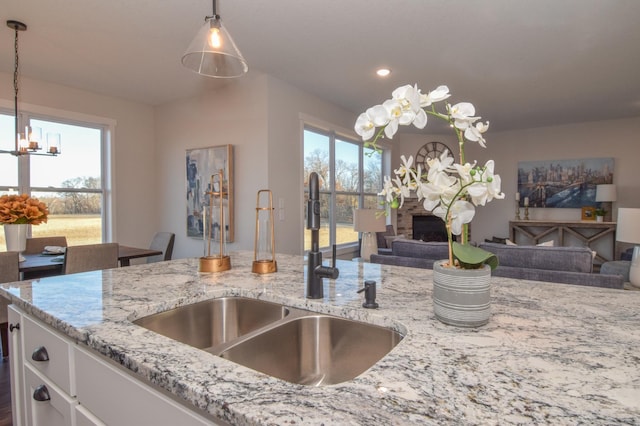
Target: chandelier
x=29, y=142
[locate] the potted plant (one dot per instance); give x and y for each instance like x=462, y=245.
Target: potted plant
x=448, y=190
x=600, y=212
x=16, y=213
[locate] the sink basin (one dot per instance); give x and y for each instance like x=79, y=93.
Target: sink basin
x=214, y=322
x=315, y=349
x=292, y=344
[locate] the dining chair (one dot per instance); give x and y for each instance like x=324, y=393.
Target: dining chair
x=162, y=241
x=90, y=257
x=36, y=245
x=9, y=272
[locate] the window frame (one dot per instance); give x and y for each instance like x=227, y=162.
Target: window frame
x=106, y=127
x=334, y=136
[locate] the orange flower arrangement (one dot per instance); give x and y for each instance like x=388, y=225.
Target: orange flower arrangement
x=19, y=209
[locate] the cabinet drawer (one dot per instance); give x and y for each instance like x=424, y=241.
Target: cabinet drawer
x=52, y=407
x=85, y=418
x=116, y=398
x=59, y=354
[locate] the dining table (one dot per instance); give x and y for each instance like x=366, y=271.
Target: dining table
x=51, y=264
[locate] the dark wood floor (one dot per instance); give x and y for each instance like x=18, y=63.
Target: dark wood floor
x=5, y=393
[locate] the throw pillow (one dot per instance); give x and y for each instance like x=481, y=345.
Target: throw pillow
x=390, y=238
x=546, y=244
x=509, y=242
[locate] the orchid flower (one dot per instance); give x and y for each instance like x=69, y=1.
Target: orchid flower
x=449, y=190
x=439, y=94
x=474, y=133
x=388, y=190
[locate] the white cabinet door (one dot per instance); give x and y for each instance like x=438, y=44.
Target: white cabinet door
x=85, y=418
x=116, y=398
x=46, y=404
x=15, y=365
x=48, y=353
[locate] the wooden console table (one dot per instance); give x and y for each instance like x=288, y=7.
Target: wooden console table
x=583, y=230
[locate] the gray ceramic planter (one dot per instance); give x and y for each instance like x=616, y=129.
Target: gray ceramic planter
x=461, y=297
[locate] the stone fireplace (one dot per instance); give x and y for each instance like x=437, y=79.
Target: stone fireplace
x=413, y=221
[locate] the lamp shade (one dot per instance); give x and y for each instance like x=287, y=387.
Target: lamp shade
x=213, y=53
x=365, y=220
x=628, y=226
x=606, y=192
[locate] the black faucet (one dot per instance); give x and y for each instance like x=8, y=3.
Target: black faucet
x=315, y=270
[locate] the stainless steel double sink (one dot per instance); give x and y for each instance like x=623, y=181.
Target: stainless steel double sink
x=292, y=344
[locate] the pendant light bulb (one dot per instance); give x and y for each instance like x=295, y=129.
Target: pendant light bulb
x=215, y=40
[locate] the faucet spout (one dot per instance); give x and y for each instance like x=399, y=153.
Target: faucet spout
x=315, y=270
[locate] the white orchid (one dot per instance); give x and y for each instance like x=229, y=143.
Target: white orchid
x=474, y=133
x=439, y=94
x=365, y=127
x=448, y=189
x=388, y=190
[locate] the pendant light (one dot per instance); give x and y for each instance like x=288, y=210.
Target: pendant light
x=212, y=51
x=29, y=141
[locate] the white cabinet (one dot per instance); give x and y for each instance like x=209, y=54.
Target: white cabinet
x=15, y=366
x=56, y=382
x=102, y=386
x=49, y=353
x=85, y=418
x=42, y=386
x=45, y=403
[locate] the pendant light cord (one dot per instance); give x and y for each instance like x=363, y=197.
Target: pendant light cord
x=15, y=88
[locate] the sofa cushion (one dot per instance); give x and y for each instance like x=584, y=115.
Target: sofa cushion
x=420, y=249
x=568, y=259
x=380, y=236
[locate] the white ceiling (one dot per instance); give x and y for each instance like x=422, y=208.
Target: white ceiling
x=522, y=63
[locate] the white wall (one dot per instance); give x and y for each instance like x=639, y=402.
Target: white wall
x=134, y=149
x=234, y=114
x=260, y=116
x=613, y=138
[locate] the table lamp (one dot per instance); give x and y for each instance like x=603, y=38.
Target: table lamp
x=368, y=221
x=606, y=194
x=629, y=232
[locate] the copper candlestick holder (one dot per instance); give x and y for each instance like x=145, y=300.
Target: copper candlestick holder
x=221, y=261
x=264, y=260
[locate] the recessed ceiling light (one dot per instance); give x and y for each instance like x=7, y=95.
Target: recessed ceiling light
x=383, y=72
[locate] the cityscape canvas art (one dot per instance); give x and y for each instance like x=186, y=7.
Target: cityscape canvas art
x=563, y=183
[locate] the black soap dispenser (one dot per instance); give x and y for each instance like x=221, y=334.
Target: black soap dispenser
x=369, y=295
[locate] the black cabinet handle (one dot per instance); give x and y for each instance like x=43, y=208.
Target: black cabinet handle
x=41, y=394
x=40, y=354
x=14, y=327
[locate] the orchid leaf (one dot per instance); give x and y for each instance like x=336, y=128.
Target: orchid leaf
x=471, y=257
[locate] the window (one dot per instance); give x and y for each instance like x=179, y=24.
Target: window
x=350, y=178
x=72, y=184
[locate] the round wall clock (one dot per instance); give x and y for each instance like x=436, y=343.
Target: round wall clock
x=430, y=150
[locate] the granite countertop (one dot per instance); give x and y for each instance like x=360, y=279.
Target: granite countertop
x=551, y=353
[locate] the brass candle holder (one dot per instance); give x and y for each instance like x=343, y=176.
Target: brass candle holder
x=221, y=261
x=517, y=209
x=264, y=260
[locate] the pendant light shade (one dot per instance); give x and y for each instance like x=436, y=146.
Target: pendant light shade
x=213, y=53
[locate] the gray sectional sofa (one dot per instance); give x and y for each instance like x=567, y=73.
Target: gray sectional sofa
x=568, y=265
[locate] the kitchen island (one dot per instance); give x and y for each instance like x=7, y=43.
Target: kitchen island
x=551, y=353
